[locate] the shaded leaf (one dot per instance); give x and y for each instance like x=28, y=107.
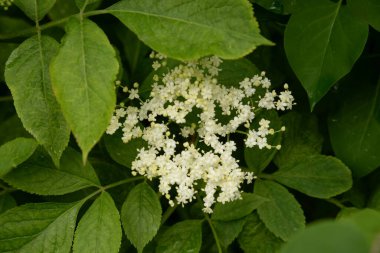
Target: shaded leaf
x=367, y=10
x=141, y=215
x=224, y=28
x=282, y=214
x=27, y=76
x=39, y=175
x=313, y=43
x=123, y=153
x=300, y=139
x=15, y=152
x=239, y=208
x=256, y=238
x=184, y=236
x=227, y=231
x=42, y=227
x=12, y=128
x=101, y=225
x=317, y=176
x=355, y=121
x=83, y=75
x=36, y=9
x=6, y=202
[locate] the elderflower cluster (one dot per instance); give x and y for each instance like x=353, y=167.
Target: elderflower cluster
x=5, y=4
x=182, y=114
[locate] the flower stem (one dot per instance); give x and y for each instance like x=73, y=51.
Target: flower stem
x=168, y=213
x=214, y=233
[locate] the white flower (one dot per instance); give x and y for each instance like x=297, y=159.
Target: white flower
x=191, y=91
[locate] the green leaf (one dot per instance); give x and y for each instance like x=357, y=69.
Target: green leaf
x=36, y=9
x=322, y=42
x=367, y=10
x=15, y=152
x=256, y=238
x=27, y=76
x=11, y=24
x=239, y=208
x=101, y=225
x=141, y=215
x=191, y=29
x=300, y=139
x=184, y=236
x=234, y=71
x=42, y=227
x=356, y=121
x=39, y=175
x=258, y=159
x=374, y=199
x=6, y=202
x=62, y=9
x=367, y=220
x=89, y=3
x=282, y=214
x=227, y=231
x=83, y=75
x=123, y=153
x=318, y=176
x=328, y=237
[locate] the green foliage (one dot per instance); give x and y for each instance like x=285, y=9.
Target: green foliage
x=256, y=238
x=100, y=224
x=42, y=227
x=315, y=45
x=39, y=175
x=87, y=98
x=317, y=176
x=14, y=153
x=141, y=215
x=357, y=120
x=282, y=214
x=239, y=208
x=185, y=236
x=232, y=36
x=66, y=65
x=27, y=76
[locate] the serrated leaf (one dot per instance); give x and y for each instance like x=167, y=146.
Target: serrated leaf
x=36, y=9
x=223, y=28
x=227, y=231
x=39, y=175
x=367, y=10
x=42, y=227
x=141, y=215
x=318, y=176
x=15, y=152
x=313, y=43
x=101, y=225
x=256, y=238
x=184, y=236
x=6, y=202
x=328, y=237
x=356, y=121
x=239, y=208
x=258, y=159
x=123, y=153
x=282, y=214
x=83, y=75
x=27, y=76
x=300, y=139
